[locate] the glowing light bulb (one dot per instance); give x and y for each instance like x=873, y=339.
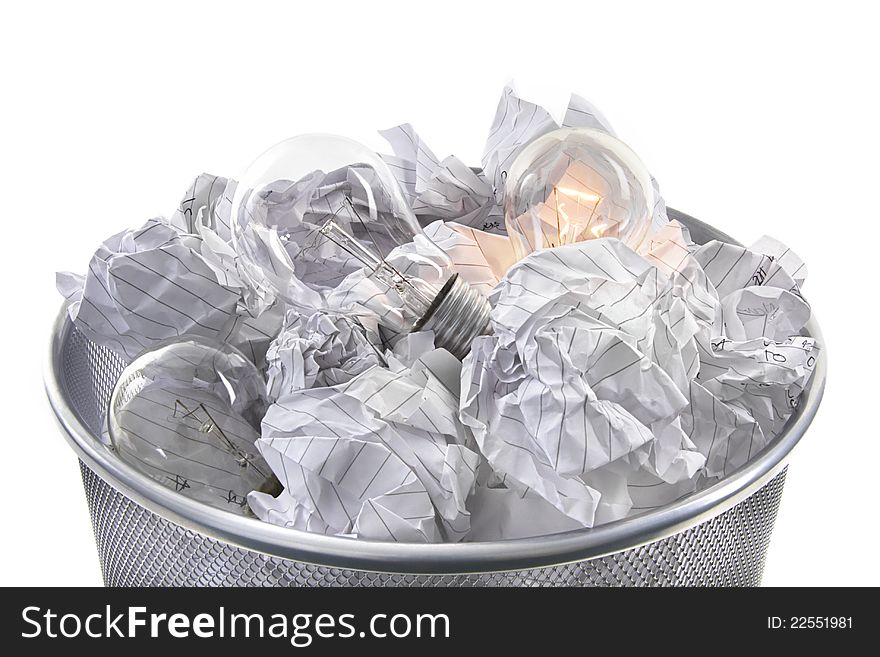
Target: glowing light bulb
x=575, y=184
x=316, y=208
x=187, y=413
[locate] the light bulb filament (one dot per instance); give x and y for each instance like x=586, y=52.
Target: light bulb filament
x=210, y=427
x=569, y=230
x=345, y=241
x=417, y=297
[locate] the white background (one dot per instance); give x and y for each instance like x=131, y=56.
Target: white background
x=759, y=117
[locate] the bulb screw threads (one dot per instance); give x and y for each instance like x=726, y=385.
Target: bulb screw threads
x=457, y=316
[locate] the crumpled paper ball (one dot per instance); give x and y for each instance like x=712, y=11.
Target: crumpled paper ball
x=319, y=350
x=754, y=363
x=170, y=278
x=379, y=457
x=569, y=390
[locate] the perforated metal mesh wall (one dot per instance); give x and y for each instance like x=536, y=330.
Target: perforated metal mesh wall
x=137, y=547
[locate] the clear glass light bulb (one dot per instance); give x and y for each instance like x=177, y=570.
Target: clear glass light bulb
x=576, y=184
x=188, y=413
x=316, y=208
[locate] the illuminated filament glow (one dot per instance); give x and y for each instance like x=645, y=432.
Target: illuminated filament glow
x=571, y=229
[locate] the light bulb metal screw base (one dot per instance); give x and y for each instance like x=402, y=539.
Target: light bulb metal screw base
x=457, y=315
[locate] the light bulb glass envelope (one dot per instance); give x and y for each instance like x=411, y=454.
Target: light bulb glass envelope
x=316, y=208
x=188, y=413
x=576, y=184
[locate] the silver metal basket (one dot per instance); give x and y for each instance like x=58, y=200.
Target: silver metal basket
x=147, y=534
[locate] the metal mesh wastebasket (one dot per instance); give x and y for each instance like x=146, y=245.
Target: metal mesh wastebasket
x=147, y=534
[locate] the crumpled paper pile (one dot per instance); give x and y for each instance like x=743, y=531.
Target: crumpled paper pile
x=615, y=381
